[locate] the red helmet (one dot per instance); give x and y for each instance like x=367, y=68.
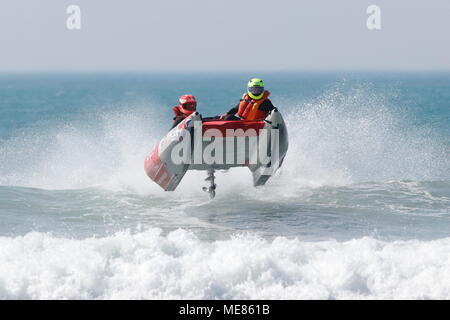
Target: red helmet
x=188, y=104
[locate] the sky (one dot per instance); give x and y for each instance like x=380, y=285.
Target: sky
x=219, y=35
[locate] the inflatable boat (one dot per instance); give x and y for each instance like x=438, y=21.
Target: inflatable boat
x=211, y=144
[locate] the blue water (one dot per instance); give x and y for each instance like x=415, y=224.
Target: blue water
x=361, y=207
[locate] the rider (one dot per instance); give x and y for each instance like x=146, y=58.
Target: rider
x=254, y=104
x=187, y=105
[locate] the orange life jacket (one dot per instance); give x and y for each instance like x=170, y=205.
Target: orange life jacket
x=176, y=111
x=249, y=108
x=179, y=112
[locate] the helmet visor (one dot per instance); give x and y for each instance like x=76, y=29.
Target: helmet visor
x=190, y=106
x=256, y=91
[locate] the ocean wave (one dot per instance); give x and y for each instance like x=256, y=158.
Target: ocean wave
x=335, y=139
x=150, y=265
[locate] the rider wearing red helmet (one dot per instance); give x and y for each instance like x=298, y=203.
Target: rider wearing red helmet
x=187, y=105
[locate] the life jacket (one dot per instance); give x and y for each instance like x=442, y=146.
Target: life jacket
x=249, y=108
x=177, y=111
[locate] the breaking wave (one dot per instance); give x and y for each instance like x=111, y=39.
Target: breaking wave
x=148, y=265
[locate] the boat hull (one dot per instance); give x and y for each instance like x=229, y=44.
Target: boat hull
x=195, y=144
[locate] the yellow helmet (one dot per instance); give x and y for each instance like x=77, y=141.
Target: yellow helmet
x=255, y=88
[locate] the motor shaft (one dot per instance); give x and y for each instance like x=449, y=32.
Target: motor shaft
x=212, y=185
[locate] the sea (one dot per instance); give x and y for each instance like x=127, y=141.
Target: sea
x=359, y=210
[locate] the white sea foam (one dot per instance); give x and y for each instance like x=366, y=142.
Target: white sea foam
x=107, y=153
x=149, y=265
x=357, y=137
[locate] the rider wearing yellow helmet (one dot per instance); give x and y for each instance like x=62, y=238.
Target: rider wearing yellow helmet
x=254, y=104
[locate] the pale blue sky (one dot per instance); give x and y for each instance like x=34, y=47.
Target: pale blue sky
x=224, y=35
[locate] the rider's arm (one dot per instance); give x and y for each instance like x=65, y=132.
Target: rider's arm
x=266, y=106
x=233, y=110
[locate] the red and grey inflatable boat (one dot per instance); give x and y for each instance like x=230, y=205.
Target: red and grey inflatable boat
x=212, y=144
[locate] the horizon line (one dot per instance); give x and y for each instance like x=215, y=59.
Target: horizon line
x=310, y=70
